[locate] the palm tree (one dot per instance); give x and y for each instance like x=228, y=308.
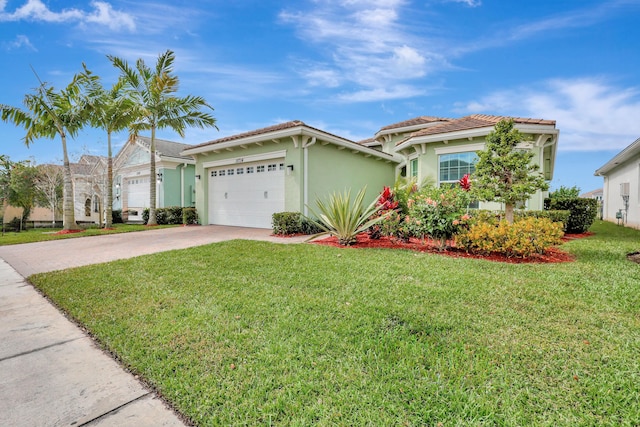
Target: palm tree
x=112, y=112
x=49, y=114
x=156, y=107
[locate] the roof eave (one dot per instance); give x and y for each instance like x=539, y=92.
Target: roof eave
x=621, y=157
x=284, y=133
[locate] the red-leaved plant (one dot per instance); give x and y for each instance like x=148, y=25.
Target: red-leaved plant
x=465, y=182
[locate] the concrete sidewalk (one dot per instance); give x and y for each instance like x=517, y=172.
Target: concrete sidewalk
x=51, y=372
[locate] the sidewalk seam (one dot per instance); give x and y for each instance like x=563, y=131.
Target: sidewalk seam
x=24, y=353
x=114, y=410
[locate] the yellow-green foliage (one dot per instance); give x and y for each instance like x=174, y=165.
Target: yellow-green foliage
x=523, y=238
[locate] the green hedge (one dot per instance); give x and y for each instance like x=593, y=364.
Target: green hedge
x=116, y=216
x=172, y=215
x=288, y=223
x=583, y=212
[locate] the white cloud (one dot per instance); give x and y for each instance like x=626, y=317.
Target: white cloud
x=470, y=3
x=36, y=10
x=21, y=41
x=591, y=114
x=366, y=47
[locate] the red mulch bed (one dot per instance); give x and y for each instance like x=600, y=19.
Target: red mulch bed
x=553, y=255
x=69, y=231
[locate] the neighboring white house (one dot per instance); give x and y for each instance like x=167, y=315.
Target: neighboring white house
x=595, y=194
x=621, y=190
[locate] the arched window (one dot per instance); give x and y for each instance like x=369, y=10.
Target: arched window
x=87, y=207
x=96, y=203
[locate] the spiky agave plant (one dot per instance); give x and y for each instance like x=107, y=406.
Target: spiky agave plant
x=341, y=217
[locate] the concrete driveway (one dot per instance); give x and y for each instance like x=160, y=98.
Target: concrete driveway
x=31, y=258
x=51, y=372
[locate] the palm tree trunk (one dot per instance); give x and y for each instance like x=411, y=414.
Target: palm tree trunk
x=152, y=179
x=109, y=213
x=68, y=218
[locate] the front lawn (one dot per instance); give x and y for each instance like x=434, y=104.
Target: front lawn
x=253, y=333
x=32, y=235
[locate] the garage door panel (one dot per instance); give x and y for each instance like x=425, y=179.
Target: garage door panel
x=246, y=195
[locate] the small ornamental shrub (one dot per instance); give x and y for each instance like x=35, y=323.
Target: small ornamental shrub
x=395, y=226
x=116, y=216
x=583, y=212
x=524, y=238
x=438, y=213
x=386, y=203
x=172, y=215
x=555, y=216
x=289, y=223
x=344, y=219
x=189, y=216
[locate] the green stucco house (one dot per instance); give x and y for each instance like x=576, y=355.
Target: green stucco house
x=241, y=180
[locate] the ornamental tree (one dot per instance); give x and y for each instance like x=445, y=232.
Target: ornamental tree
x=504, y=173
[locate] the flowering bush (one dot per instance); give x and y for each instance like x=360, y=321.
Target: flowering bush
x=438, y=213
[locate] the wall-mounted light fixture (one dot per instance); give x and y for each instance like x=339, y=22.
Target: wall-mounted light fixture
x=159, y=174
x=289, y=169
x=198, y=177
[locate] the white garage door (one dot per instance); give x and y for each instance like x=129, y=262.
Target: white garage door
x=246, y=194
x=138, y=192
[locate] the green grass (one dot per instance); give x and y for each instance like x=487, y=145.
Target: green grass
x=42, y=234
x=252, y=333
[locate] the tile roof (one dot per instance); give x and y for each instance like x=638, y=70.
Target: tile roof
x=256, y=132
x=167, y=148
x=476, y=121
x=414, y=122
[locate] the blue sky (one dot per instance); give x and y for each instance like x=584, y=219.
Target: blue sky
x=348, y=67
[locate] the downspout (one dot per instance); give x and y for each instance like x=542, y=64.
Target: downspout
x=305, y=145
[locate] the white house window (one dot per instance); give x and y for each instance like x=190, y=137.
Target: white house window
x=413, y=167
x=230, y=171
x=214, y=173
x=222, y=173
x=281, y=166
x=454, y=166
x=96, y=204
x=271, y=168
x=260, y=168
x=249, y=169
x=239, y=171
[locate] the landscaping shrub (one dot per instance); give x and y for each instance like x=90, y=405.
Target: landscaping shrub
x=437, y=213
x=116, y=216
x=554, y=215
x=344, y=219
x=583, y=212
x=524, y=238
x=189, y=216
x=14, y=225
x=286, y=223
x=171, y=215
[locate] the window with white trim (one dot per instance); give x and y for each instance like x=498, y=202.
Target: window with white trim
x=454, y=166
x=413, y=167
x=230, y=171
x=222, y=173
x=239, y=171
x=271, y=167
x=249, y=169
x=214, y=173
x=260, y=168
